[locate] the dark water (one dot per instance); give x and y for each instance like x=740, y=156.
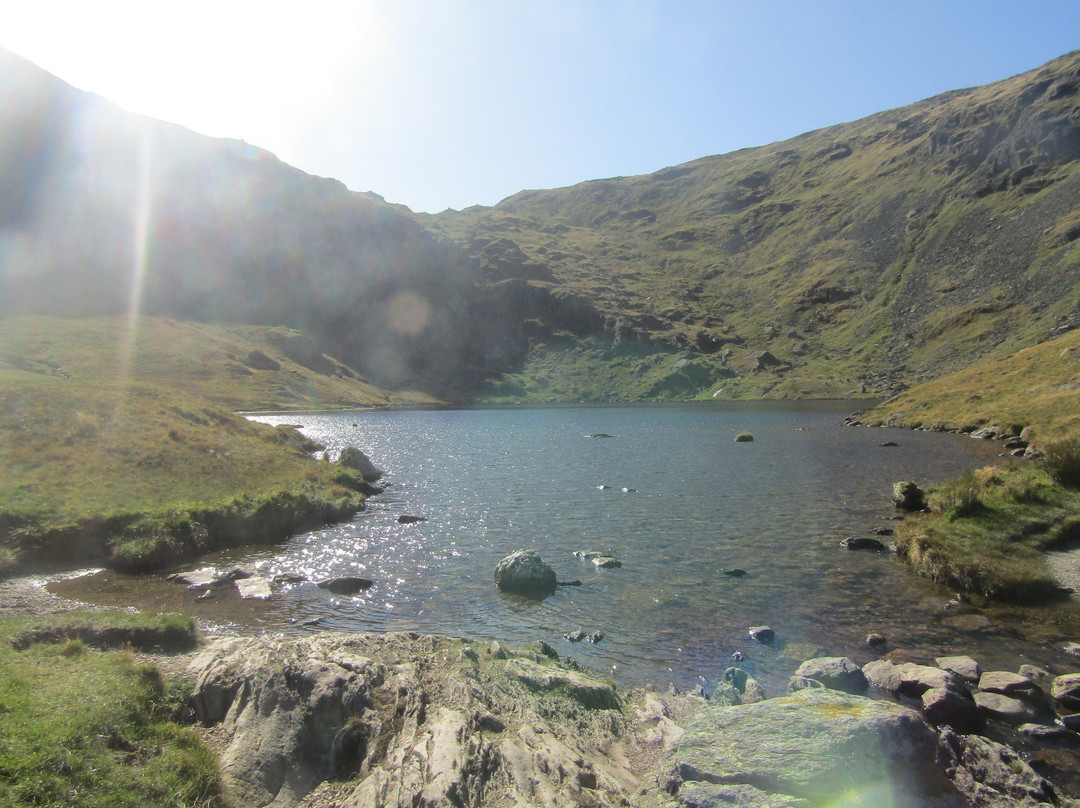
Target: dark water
x=683, y=502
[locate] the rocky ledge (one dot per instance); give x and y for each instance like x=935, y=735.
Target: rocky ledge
x=410, y=720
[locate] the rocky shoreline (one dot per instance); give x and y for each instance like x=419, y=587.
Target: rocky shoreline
x=344, y=721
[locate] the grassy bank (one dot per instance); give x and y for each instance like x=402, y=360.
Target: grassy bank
x=987, y=532
x=138, y=474
x=124, y=745
x=1038, y=388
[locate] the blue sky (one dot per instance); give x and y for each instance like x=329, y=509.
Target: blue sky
x=449, y=103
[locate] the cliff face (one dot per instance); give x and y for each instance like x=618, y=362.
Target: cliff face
x=875, y=253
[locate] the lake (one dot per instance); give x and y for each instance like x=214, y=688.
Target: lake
x=676, y=499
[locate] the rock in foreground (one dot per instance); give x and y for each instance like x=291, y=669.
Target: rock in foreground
x=412, y=720
x=806, y=749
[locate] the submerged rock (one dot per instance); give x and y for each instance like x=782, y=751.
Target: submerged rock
x=345, y=585
x=863, y=543
x=255, y=587
x=525, y=573
x=763, y=634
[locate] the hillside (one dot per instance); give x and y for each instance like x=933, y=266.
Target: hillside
x=857, y=259
x=103, y=212
x=241, y=367
x=118, y=442
x=1037, y=387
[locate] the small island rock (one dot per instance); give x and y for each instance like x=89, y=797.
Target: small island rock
x=345, y=585
x=524, y=572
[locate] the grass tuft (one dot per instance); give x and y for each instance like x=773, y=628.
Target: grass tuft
x=987, y=532
x=1063, y=462
x=121, y=748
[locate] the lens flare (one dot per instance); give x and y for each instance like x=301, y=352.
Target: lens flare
x=141, y=228
x=408, y=313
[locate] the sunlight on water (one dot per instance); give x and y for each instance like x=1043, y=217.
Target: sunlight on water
x=671, y=495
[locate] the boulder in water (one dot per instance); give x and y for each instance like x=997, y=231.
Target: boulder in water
x=523, y=572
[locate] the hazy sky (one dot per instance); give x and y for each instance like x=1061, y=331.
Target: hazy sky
x=450, y=103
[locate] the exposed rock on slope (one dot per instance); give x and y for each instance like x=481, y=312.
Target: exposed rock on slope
x=871, y=254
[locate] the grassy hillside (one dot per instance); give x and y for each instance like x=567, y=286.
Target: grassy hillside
x=240, y=367
x=869, y=255
x=986, y=533
x=1038, y=387
x=126, y=450
x=101, y=210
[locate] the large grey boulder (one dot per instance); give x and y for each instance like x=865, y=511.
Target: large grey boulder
x=524, y=573
x=811, y=748
x=835, y=673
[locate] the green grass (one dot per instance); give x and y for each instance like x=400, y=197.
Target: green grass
x=84, y=728
x=1038, y=387
x=109, y=630
x=241, y=367
x=987, y=532
x=141, y=473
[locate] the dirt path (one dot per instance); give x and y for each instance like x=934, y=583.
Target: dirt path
x=1065, y=564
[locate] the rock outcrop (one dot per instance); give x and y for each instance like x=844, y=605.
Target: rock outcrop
x=413, y=720
x=805, y=749
x=403, y=720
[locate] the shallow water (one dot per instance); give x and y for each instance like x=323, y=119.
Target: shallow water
x=672, y=496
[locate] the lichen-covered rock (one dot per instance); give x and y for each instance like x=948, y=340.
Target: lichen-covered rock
x=524, y=572
x=907, y=496
x=1066, y=689
x=988, y=773
x=810, y=748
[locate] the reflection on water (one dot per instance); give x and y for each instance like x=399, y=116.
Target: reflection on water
x=671, y=495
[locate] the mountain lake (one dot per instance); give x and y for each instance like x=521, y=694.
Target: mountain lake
x=667, y=491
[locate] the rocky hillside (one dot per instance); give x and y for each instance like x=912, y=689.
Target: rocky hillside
x=863, y=257
x=102, y=212
x=854, y=260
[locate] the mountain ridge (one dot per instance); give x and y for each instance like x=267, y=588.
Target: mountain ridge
x=853, y=260
x=725, y=221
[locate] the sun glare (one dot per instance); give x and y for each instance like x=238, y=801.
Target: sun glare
x=141, y=219
x=247, y=70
